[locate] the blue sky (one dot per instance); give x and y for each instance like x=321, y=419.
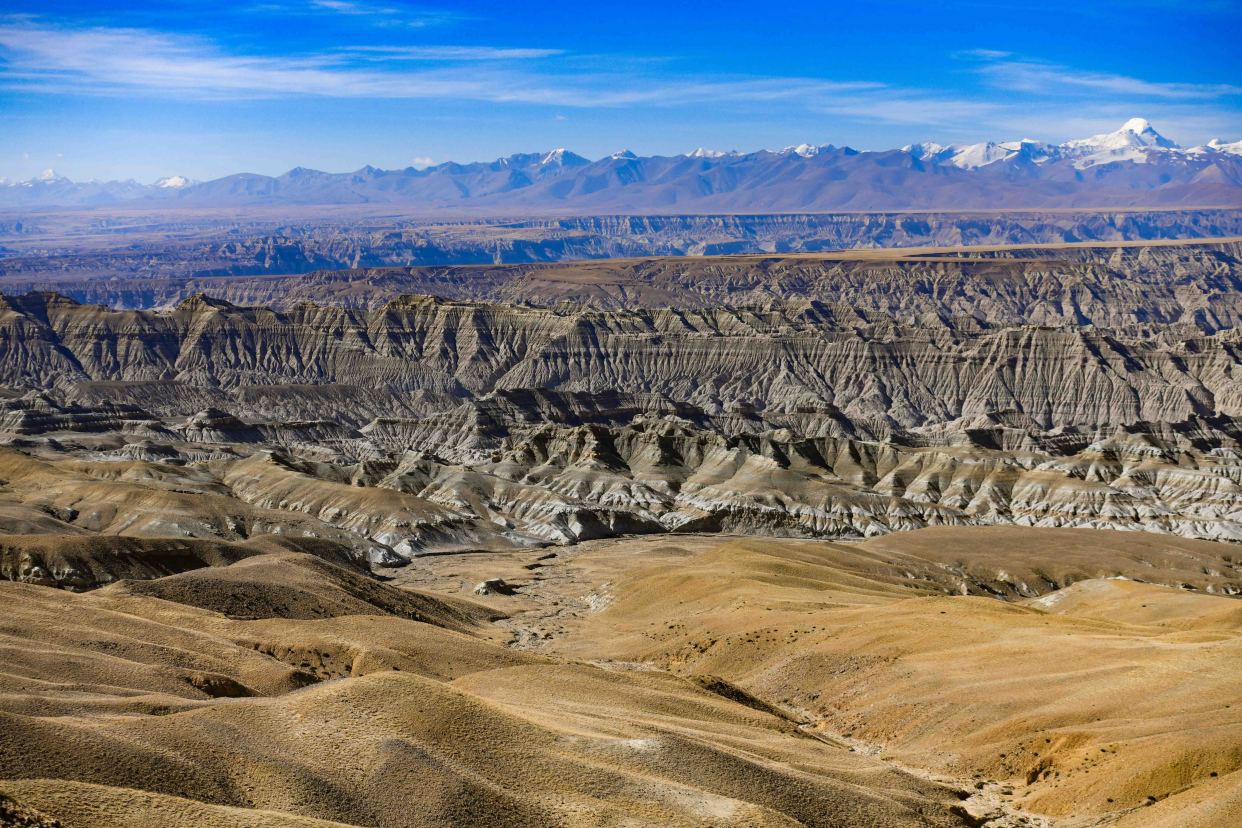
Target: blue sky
x=206, y=89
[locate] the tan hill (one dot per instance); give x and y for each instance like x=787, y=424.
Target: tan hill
x=1091, y=703
x=692, y=681
x=383, y=720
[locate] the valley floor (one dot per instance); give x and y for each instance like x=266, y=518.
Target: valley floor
x=671, y=680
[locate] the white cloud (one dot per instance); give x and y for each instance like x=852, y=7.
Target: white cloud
x=422, y=161
x=1042, y=99
x=387, y=15
x=907, y=107
x=344, y=7
x=107, y=60
x=444, y=53
x=1050, y=79
x=114, y=60
x=982, y=54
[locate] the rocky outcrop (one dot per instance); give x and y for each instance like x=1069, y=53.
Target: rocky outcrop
x=38, y=413
x=1193, y=285
x=784, y=359
x=838, y=397
x=534, y=468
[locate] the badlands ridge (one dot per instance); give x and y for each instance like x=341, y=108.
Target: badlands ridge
x=809, y=540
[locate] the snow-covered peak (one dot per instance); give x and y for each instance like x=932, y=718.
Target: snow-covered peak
x=173, y=182
x=561, y=157
x=50, y=175
x=1132, y=142
x=979, y=155
x=1135, y=141
x=1028, y=149
x=1024, y=143
x=1231, y=147
x=623, y=155
x=926, y=150
x=1135, y=132
x=973, y=156
x=804, y=150
x=704, y=152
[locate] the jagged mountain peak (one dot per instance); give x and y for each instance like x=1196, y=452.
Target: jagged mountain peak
x=1136, y=132
x=1134, y=141
x=562, y=157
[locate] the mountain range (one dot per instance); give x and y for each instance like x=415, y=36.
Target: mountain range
x=1134, y=166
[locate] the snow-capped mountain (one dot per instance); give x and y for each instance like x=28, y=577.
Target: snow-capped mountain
x=704, y=152
x=1135, y=141
x=1134, y=166
x=805, y=150
x=1217, y=145
x=562, y=157
x=1134, y=133
x=973, y=156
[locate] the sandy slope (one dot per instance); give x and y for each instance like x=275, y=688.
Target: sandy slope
x=670, y=680
x=116, y=702
x=1103, y=696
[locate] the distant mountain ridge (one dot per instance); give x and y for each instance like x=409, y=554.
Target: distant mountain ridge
x=1136, y=141
x=1135, y=166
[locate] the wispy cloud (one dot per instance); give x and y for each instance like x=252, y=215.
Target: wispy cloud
x=912, y=107
x=981, y=54
x=344, y=7
x=108, y=60
x=112, y=60
x=1050, y=79
x=1041, y=99
x=389, y=15
x=444, y=53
